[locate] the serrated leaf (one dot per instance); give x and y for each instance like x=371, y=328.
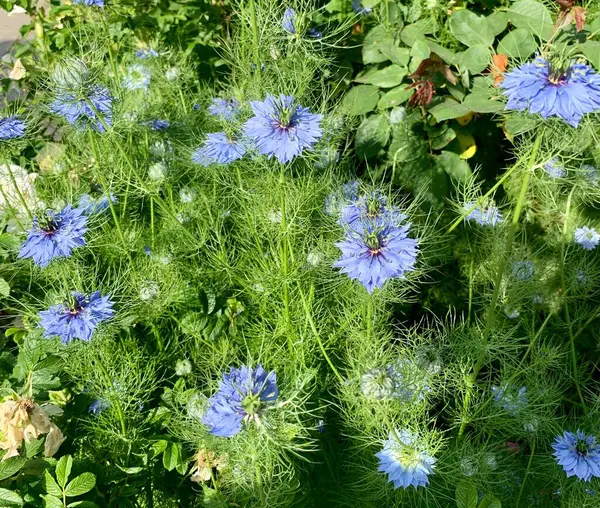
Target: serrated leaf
x=591, y=50
x=448, y=110
x=4, y=288
x=518, y=43
x=81, y=484
x=466, y=495
x=360, y=100
x=51, y=485
x=82, y=504
x=415, y=31
x=498, y=21
x=385, y=78
x=10, y=466
x=395, y=97
x=454, y=166
x=63, y=470
x=471, y=29
x=482, y=104
x=374, y=40
x=372, y=135
x=533, y=16
x=489, y=501
x=158, y=447
x=172, y=456
x=9, y=498
x=476, y=58
x=52, y=502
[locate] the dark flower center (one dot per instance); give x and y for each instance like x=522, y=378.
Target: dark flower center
x=373, y=242
x=559, y=71
x=49, y=225
x=582, y=447
x=74, y=305
x=284, y=117
x=251, y=403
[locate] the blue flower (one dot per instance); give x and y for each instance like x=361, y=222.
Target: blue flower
x=374, y=253
x=98, y=406
x=371, y=207
x=90, y=3
x=554, y=169
x=77, y=318
x=523, y=270
x=341, y=197
x=313, y=32
x=484, y=215
x=82, y=112
x=282, y=128
x=242, y=396
x=552, y=90
x=92, y=206
x=328, y=156
x=404, y=461
x=226, y=108
x=578, y=454
x=146, y=53
x=590, y=173
x=289, y=20
x=359, y=9
x=11, y=127
x=137, y=77
x=159, y=125
x=219, y=148
x=55, y=235
x=510, y=399
x=588, y=238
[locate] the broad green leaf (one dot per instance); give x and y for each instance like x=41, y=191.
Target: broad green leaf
x=466, y=495
x=458, y=169
x=52, y=502
x=489, y=501
x=372, y=135
x=448, y=109
x=482, y=104
x=420, y=50
x=360, y=100
x=8, y=498
x=374, y=40
x=172, y=456
x=82, y=504
x=63, y=470
x=370, y=3
x=395, y=97
x=4, y=288
x=532, y=15
x=432, y=184
x=385, y=78
x=399, y=56
x=10, y=466
x=51, y=485
x=518, y=43
x=411, y=33
x=158, y=447
x=519, y=124
x=81, y=484
x=444, y=53
x=498, y=21
x=406, y=145
x=471, y=29
x=440, y=136
x=476, y=58
x=591, y=50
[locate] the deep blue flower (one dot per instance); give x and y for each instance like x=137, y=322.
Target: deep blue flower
x=404, y=461
x=578, y=454
x=54, y=235
x=159, y=125
x=98, y=406
x=226, y=108
x=375, y=253
x=90, y=3
x=359, y=9
x=509, y=398
x=77, y=318
x=554, y=169
x=146, y=53
x=11, y=127
x=289, y=20
x=220, y=149
x=282, y=128
x=92, y=206
x=588, y=238
x=540, y=87
x=373, y=208
x=242, y=396
x=341, y=197
x=484, y=215
x=137, y=77
x=82, y=112
x=523, y=270
x=313, y=32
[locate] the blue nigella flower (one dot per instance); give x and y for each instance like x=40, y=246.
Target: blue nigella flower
x=552, y=90
x=159, y=125
x=328, y=156
x=289, y=20
x=484, y=215
x=219, y=148
x=404, y=461
x=92, y=206
x=98, y=406
x=314, y=33
x=578, y=454
x=146, y=53
x=378, y=384
x=341, y=197
x=11, y=128
x=523, y=270
x=375, y=253
x=590, y=173
x=77, y=318
x=371, y=207
x=89, y=3
x=282, y=128
x=588, y=238
x=510, y=399
x=54, y=235
x=226, y=108
x=242, y=396
x=83, y=112
x=359, y=9
x=554, y=169
x=137, y=77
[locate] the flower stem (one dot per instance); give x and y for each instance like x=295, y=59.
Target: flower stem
x=255, y=39
x=11, y=209
x=284, y=263
x=259, y=483
x=526, y=472
x=115, y=399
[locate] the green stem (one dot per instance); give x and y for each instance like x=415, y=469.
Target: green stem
x=369, y=317
x=259, y=483
x=284, y=263
x=470, y=291
x=526, y=472
x=114, y=399
x=152, y=221
x=255, y=40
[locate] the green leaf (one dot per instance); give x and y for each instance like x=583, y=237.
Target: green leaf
x=482, y=104
x=458, y=169
x=444, y=53
x=158, y=447
x=432, y=185
x=372, y=135
x=172, y=456
x=471, y=29
x=385, y=78
x=420, y=50
x=8, y=498
x=360, y=100
x=63, y=470
x=448, y=110
x=519, y=124
x=52, y=502
x=10, y=466
x=498, y=21
x=489, y=501
x=591, y=50
x=411, y=33
x=441, y=135
x=395, y=97
x=370, y=3
x=374, y=40
x=476, y=58
x=399, y=56
x=466, y=495
x=81, y=484
x=4, y=288
x=82, y=504
x=518, y=43
x=533, y=16
x=51, y=485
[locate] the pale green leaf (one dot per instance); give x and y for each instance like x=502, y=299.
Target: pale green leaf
x=518, y=44
x=498, y=21
x=81, y=484
x=372, y=135
x=395, y=97
x=457, y=168
x=591, y=50
x=482, y=104
x=466, y=495
x=9, y=498
x=448, y=109
x=532, y=15
x=471, y=29
x=63, y=470
x=374, y=40
x=172, y=456
x=489, y=501
x=10, y=466
x=360, y=100
x=51, y=485
x=415, y=31
x=476, y=58
x=4, y=288
x=385, y=78
x=52, y=502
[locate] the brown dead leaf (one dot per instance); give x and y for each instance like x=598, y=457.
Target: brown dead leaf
x=498, y=67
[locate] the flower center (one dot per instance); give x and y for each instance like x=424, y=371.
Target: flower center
x=284, y=117
x=374, y=207
x=559, y=71
x=49, y=225
x=251, y=404
x=373, y=242
x=582, y=447
x=74, y=305
x=408, y=456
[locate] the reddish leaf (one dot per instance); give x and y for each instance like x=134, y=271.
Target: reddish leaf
x=498, y=67
x=580, y=14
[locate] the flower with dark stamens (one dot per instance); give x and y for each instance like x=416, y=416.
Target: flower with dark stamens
x=11, y=128
x=159, y=125
x=219, y=148
x=92, y=110
x=578, y=454
x=370, y=207
x=146, y=53
x=90, y=3
x=511, y=399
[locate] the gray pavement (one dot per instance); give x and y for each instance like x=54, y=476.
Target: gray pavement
x=9, y=29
